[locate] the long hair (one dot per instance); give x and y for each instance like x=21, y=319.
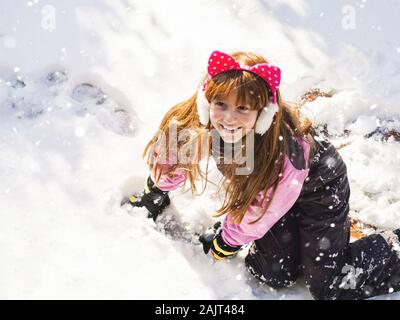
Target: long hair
x=269, y=149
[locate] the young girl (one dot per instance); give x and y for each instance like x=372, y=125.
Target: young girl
x=292, y=203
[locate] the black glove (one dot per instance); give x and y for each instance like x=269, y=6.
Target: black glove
x=212, y=240
x=397, y=232
x=154, y=199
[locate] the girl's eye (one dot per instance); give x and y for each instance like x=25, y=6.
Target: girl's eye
x=219, y=104
x=243, y=109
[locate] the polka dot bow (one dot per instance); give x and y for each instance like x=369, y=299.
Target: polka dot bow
x=220, y=62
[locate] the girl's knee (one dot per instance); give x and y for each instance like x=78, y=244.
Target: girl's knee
x=320, y=284
x=317, y=291
x=274, y=274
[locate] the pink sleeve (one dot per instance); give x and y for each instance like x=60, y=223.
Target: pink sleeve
x=288, y=191
x=170, y=181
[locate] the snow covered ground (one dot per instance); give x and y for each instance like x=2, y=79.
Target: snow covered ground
x=84, y=85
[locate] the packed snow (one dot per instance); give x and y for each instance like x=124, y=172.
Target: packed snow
x=84, y=86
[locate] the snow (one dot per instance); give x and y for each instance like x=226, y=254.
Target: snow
x=82, y=92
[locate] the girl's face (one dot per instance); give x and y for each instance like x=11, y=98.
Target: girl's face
x=231, y=120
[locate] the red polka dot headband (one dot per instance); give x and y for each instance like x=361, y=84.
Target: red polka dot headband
x=220, y=62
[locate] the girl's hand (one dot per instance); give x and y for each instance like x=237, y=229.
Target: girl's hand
x=212, y=240
x=154, y=199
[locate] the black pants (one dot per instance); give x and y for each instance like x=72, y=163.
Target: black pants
x=313, y=239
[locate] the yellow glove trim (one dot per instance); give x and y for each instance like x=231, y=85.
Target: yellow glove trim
x=219, y=249
x=216, y=257
x=132, y=199
x=146, y=188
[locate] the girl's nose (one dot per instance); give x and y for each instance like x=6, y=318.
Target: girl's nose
x=230, y=116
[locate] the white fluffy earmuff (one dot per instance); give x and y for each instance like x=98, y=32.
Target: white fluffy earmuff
x=265, y=118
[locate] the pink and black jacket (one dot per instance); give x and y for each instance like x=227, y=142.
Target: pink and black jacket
x=294, y=172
